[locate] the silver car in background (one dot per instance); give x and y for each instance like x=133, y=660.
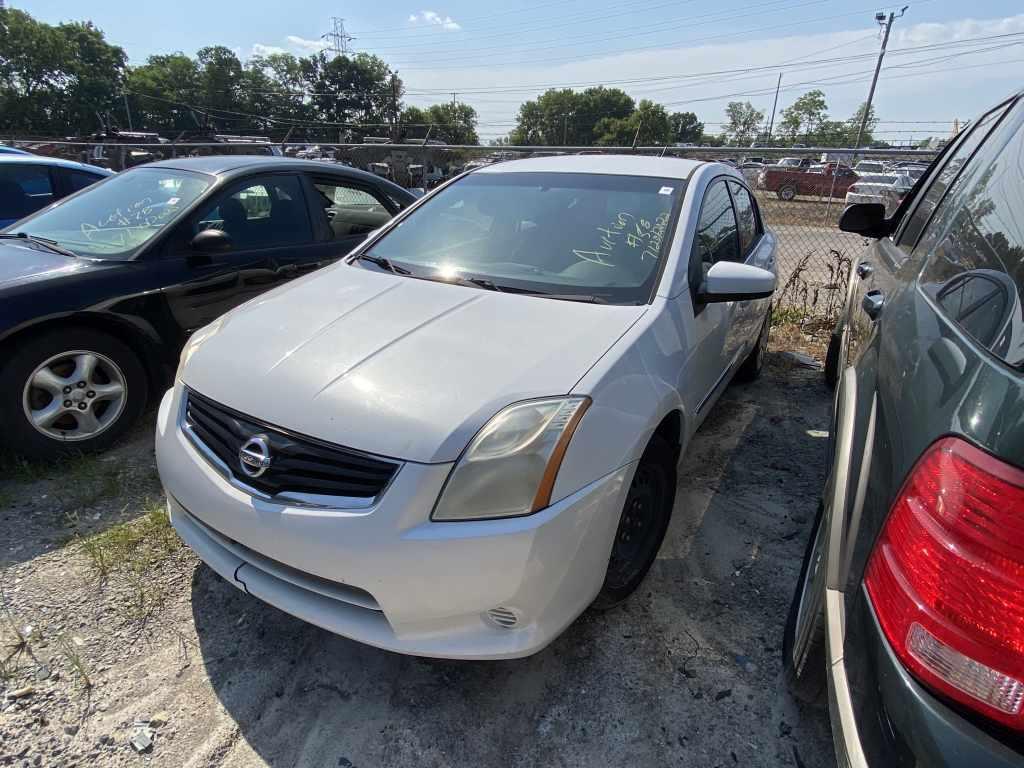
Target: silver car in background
x=887, y=189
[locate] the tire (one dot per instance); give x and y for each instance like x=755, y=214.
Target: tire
x=85, y=388
x=642, y=525
x=787, y=193
x=803, y=647
x=751, y=368
x=832, y=362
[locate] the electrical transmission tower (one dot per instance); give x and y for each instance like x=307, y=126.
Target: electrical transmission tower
x=337, y=39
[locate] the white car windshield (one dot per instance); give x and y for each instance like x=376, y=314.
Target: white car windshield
x=877, y=179
x=569, y=234
x=117, y=217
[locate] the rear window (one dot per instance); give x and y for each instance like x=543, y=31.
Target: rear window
x=975, y=246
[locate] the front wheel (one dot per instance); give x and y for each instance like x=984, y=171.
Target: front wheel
x=752, y=366
x=787, y=193
x=645, y=517
x=69, y=390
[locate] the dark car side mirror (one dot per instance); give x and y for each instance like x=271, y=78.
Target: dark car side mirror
x=866, y=219
x=211, y=241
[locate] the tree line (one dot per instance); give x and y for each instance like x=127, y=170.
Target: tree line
x=67, y=80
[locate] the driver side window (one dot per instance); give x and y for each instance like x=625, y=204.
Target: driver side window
x=716, y=236
x=261, y=213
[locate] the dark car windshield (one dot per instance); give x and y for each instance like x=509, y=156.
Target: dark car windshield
x=555, y=233
x=116, y=218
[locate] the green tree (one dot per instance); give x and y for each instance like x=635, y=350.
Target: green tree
x=869, y=127
x=743, y=121
x=359, y=91
x=686, y=128
x=647, y=126
x=55, y=79
x=566, y=117
x=453, y=123
x=161, y=90
x=804, y=116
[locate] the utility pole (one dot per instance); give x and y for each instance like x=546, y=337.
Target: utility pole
x=337, y=39
x=771, y=123
x=565, y=130
x=394, y=109
x=126, y=107
x=887, y=26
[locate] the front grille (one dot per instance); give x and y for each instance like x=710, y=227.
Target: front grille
x=298, y=465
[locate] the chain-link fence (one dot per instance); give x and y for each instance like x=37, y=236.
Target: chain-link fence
x=800, y=200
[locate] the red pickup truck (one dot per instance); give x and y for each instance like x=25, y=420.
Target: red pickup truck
x=787, y=183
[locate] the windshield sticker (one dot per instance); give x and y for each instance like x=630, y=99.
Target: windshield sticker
x=665, y=191
x=637, y=233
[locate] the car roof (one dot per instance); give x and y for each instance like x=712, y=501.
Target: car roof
x=30, y=159
x=235, y=165
x=618, y=165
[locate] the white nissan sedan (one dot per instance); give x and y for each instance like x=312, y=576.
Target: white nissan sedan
x=455, y=440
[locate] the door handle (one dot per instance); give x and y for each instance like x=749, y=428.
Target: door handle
x=864, y=269
x=873, y=303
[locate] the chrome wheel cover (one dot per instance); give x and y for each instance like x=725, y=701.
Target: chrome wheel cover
x=75, y=395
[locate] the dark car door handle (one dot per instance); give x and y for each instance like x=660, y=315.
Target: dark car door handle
x=872, y=304
x=864, y=269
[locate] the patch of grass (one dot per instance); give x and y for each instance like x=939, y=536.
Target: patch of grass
x=24, y=471
x=70, y=652
x=135, y=546
x=88, y=480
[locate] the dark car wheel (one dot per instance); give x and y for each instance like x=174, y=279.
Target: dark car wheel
x=67, y=391
x=787, y=193
x=803, y=641
x=642, y=526
x=832, y=362
x=751, y=367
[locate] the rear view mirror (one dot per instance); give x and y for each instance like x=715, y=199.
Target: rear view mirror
x=867, y=219
x=211, y=241
x=731, y=281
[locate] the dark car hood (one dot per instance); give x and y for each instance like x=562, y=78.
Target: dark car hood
x=22, y=263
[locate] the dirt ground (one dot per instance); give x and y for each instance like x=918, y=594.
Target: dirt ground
x=106, y=622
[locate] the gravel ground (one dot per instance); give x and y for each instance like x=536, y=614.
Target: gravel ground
x=687, y=672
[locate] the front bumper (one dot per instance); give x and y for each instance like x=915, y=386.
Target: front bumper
x=881, y=716
x=387, y=575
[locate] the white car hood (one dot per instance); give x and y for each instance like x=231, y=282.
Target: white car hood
x=393, y=365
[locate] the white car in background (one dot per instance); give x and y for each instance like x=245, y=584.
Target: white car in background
x=455, y=440
x=870, y=167
x=887, y=189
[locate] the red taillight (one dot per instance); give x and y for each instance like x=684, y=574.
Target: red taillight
x=946, y=578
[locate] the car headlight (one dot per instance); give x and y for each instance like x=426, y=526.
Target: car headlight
x=192, y=345
x=509, y=468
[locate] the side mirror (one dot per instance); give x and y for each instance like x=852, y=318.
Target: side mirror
x=866, y=219
x=211, y=241
x=731, y=281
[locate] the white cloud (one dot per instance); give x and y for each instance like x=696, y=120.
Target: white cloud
x=307, y=46
x=434, y=19
x=259, y=49
x=960, y=87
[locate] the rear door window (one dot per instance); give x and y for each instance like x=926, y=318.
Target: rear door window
x=80, y=180
x=350, y=210
x=975, y=245
x=24, y=189
x=746, y=218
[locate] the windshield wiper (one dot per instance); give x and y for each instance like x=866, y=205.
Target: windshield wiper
x=46, y=242
x=383, y=263
x=587, y=298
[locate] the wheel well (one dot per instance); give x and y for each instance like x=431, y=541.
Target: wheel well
x=671, y=430
x=156, y=369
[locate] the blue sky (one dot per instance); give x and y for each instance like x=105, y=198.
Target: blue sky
x=947, y=60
